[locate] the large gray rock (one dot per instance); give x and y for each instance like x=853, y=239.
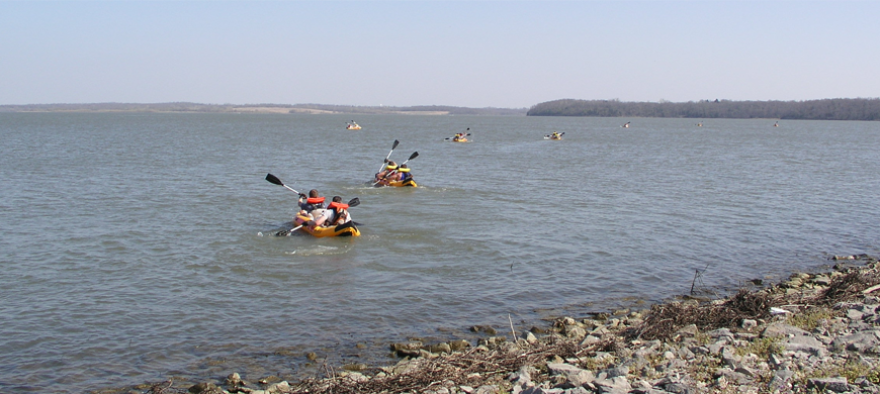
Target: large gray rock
x=837, y=385
x=807, y=344
x=614, y=385
x=782, y=330
x=781, y=380
x=863, y=342
x=795, y=339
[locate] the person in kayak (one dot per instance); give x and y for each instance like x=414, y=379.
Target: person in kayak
x=335, y=214
x=388, y=173
x=309, y=204
x=403, y=174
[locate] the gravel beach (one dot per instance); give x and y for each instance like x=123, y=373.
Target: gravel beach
x=812, y=333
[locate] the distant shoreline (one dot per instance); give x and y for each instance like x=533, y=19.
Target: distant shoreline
x=315, y=109
x=825, y=109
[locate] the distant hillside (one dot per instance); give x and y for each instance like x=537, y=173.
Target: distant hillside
x=827, y=109
x=261, y=108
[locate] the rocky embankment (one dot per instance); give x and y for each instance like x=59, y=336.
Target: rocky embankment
x=813, y=333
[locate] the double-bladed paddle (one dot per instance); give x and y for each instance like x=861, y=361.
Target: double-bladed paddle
x=393, y=146
x=274, y=179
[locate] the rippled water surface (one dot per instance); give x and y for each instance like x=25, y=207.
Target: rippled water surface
x=139, y=246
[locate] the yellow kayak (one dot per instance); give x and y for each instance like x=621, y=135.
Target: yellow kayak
x=406, y=183
x=342, y=230
x=460, y=139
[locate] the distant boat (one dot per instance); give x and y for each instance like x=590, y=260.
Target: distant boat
x=353, y=126
x=700, y=124
x=625, y=125
x=776, y=124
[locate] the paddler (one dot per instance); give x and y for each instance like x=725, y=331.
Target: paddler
x=389, y=171
x=403, y=174
x=309, y=205
x=335, y=214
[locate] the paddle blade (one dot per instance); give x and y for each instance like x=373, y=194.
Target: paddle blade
x=394, y=146
x=274, y=179
x=413, y=156
x=354, y=202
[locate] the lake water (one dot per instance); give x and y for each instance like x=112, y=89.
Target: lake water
x=136, y=247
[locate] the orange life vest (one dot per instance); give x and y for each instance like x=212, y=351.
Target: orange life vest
x=338, y=206
x=315, y=200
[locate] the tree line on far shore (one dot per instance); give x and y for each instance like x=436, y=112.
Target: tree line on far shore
x=825, y=109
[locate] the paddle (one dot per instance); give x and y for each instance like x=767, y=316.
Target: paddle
x=274, y=179
x=393, y=146
x=412, y=156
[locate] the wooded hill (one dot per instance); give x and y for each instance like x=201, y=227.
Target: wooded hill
x=826, y=109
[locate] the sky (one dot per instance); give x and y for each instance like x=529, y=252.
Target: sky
x=503, y=54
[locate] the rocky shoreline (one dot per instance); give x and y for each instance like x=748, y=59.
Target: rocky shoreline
x=812, y=333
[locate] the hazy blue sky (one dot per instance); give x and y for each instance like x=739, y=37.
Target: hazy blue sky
x=462, y=53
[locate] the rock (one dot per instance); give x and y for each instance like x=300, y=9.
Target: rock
x=575, y=332
x=354, y=367
x=679, y=388
x=822, y=280
x=523, y=378
x=805, y=344
x=205, y=388
x=486, y=389
x=611, y=373
x=688, y=331
x=854, y=314
x=837, y=385
x=278, y=388
x=721, y=333
x=733, y=376
x=614, y=385
x=716, y=347
x=563, y=369
x=749, y=324
x=781, y=379
x=782, y=330
x=234, y=380
x=440, y=348
x=531, y=338
x=459, y=345
x=860, y=342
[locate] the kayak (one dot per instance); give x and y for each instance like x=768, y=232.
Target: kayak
x=342, y=230
x=459, y=139
x=406, y=183
x=355, y=127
